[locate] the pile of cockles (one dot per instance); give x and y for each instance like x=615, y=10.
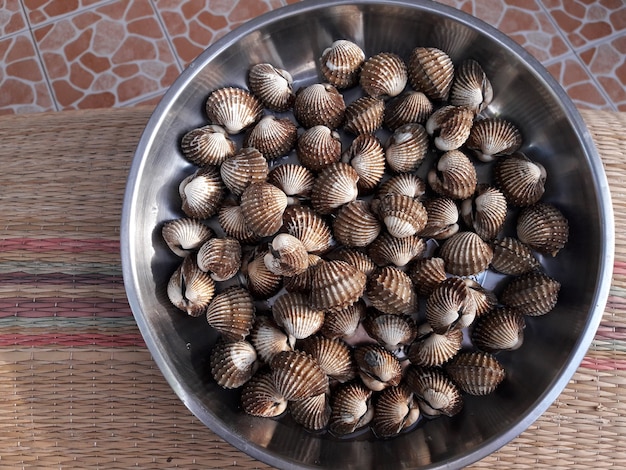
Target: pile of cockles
x=344, y=286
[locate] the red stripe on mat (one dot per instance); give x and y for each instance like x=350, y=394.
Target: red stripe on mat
x=619, y=267
x=603, y=363
x=90, y=279
x=69, y=340
x=70, y=245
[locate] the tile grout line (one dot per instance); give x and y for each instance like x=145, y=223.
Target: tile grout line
x=167, y=35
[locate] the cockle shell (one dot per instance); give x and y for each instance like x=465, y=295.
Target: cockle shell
x=427, y=274
x=393, y=332
x=521, y=180
x=333, y=355
x=233, y=222
x=297, y=375
x=231, y=313
x=220, y=257
x=364, y=115
x=404, y=184
x=336, y=284
x=202, y=193
x=451, y=126
x=454, y=176
x=247, y=166
x=500, y=330
x=435, y=392
x=267, y=338
x=296, y=316
x=431, y=71
x=308, y=227
x=450, y=306
x=184, y=236
x=511, y=256
x=391, y=291
x=442, y=218
x=356, y=258
x=532, y=294
x=302, y=282
x=341, y=63
x=410, y=107
x=233, y=108
x=272, y=85
x=476, y=373
x=351, y=408
x=484, y=299
x=377, y=367
x=273, y=137
x=465, y=253
x=367, y=156
x=262, y=205
x=319, y=104
x=432, y=349
x=287, y=256
x=395, y=410
x=292, y=179
x=543, y=228
x=406, y=148
x=383, y=75
x=261, y=282
x=207, y=145
x=318, y=147
x=343, y=323
x=356, y=225
x=233, y=363
x=485, y=212
x=471, y=87
x=335, y=186
x=312, y=413
x=491, y=138
x=387, y=249
x=403, y=216
x=259, y=397
x=190, y=289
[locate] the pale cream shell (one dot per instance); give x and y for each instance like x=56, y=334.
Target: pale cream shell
x=432, y=349
x=296, y=316
x=267, y=338
x=485, y=212
x=491, y=138
x=442, y=219
x=404, y=184
x=292, y=179
x=287, y=256
x=393, y=332
x=260, y=281
x=450, y=306
x=500, y=330
x=403, y=216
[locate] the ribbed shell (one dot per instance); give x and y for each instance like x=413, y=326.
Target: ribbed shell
x=312, y=413
x=333, y=355
x=319, y=104
x=233, y=108
x=318, y=147
x=356, y=225
x=395, y=410
x=221, y=257
x=231, y=313
x=521, y=180
x=471, y=87
x=247, y=166
x=491, y=138
x=451, y=126
x=432, y=349
x=343, y=323
x=202, y=193
x=335, y=186
x=261, y=282
x=465, y=253
x=207, y=145
x=485, y=299
x=260, y=398
x=532, y=294
x=296, y=316
x=511, y=256
x=427, y=274
x=234, y=224
x=268, y=339
x=390, y=250
x=189, y=289
x=233, y=363
x=410, y=107
x=302, y=282
x=454, y=176
x=403, y=216
x=404, y=184
x=543, y=228
x=485, y=212
x=442, y=220
x=262, y=205
x=184, y=236
x=292, y=179
x=391, y=291
x=435, y=392
x=476, y=373
x=273, y=137
x=296, y=375
x=287, y=256
x=431, y=71
x=367, y=156
x=336, y=284
x=383, y=75
x=351, y=408
x=406, y=148
x=450, y=306
x=391, y=331
x=308, y=227
x=364, y=115
x=377, y=367
x=500, y=330
x=272, y=85
x=356, y=258
x=341, y=63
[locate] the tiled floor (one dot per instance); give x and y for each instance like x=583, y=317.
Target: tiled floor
x=67, y=54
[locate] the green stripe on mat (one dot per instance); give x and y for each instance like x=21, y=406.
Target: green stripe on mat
x=69, y=323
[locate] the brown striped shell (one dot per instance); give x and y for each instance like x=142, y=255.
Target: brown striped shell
x=356, y=225
x=247, y=166
x=405, y=184
x=273, y=137
x=341, y=63
x=272, y=85
x=267, y=338
x=308, y=227
x=262, y=205
x=302, y=282
x=393, y=332
x=367, y=156
x=450, y=126
x=260, y=281
x=465, y=253
x=377, y=367
x=410, y=107
x=336, y=284
x=319, y=104
x=190, y=289
x=450, y=306
x=207, y=145
x=500, y=330
x=511, y=256
x=287, y=256
x=296, y=316
x=292, y=179
x=335, y=186
x=427, y=274
x=485, y=212
x=532, y=294
x=543, y=228
x=491, y=138
x=351, y=408
x=395, y=410
x=442, y=218
x=454, y=176
x=232, y=313
x=202, y=193
x=233, y=108
x=220, y=257
x=406, y=148
x=318, y=147
x=312, y=413
x=233, y=222
x=383, y=75
x=403, y=216
x=260, y=398
x=391, y=291
x=435, y=392
x=476, y=373
x=471, y=87
x=432, y=349
x=232, y=363
x=389, y=250
x=343, y=323
x=184, y=236
x=333, y=355
x=431, y=71
x=364, y=115
x=485, y=299
x=521, y=180
x=296, y=375
x=356, y=258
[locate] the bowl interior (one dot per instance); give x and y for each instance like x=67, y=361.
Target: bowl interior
x=293, y=38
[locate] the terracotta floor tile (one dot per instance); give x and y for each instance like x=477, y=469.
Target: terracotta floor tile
x=41, y=11
x=109, y=55
x=11, y=18
x=578, y=83
x=607, y=62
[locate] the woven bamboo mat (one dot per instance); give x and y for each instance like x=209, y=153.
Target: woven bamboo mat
x=79, y=388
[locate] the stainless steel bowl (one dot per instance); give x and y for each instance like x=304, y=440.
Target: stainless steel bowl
x=293, y=38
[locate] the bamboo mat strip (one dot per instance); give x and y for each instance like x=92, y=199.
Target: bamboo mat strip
x=79, y=386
